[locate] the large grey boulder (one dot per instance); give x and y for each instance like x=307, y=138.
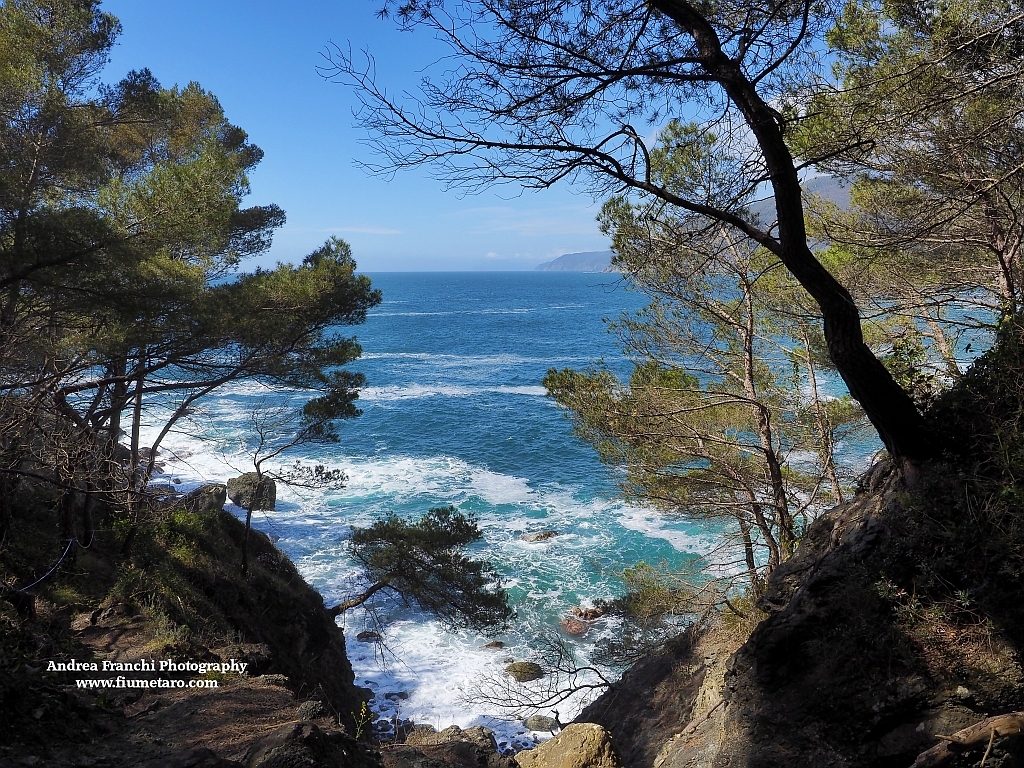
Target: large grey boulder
x=205, y=498
x=242, y=491
x=579, y=745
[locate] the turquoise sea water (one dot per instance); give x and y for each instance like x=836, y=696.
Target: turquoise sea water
x=454, y=413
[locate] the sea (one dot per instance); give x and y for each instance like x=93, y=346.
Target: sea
x=454, y=413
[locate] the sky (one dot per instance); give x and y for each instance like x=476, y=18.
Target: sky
x=259, y=58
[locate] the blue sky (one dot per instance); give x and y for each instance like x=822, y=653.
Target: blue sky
x=259, y=58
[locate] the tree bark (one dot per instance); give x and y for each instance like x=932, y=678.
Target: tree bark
x=787, y=539
x=340, y=608
x=887, y=405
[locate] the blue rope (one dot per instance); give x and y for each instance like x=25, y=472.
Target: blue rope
x=49, y=572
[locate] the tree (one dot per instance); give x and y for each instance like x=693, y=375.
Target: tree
x=545, y=91
x=423, y=564
x=120, y=216
x=936, y=224
x=723, y=411
x=117, y=203
x=275, y=430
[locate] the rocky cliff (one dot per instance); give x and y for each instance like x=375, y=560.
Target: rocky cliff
x=179, y=596
x=847, y=670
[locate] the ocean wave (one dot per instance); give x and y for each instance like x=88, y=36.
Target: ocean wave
x=415, y=391
x=468, y=360
x=488, y=311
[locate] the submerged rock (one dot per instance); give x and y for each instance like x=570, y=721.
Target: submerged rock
x=589, y=614
x=573, y=626
x=539, y=536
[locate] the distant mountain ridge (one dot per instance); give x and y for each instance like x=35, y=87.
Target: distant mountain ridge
x=587, y=261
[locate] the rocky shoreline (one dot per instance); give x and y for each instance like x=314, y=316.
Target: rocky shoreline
x=789, y=693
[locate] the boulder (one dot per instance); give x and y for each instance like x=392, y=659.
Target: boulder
x=525, y=671
x=428, y=737
x=242, y=491
x=369, y=636
x=540, y=723
x=579, y=745
x=494, y=645
x=304, y=744
x=455, y=754
x=573, y=626
x=451, y=748
x=205, y=498
x=539, y=536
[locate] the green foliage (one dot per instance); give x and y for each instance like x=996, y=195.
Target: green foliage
x=908, y=361
x=924, y=123
x=653, y=593
x=423, y=563
x=959, y=545
x=121, y=229
x=728, y=362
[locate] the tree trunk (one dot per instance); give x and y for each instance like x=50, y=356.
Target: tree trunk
x=245, y=540
x=824, y=429
x=748, y=554
x=889, y=408
x=340, y=608
x=88, y=527
x=762, y=415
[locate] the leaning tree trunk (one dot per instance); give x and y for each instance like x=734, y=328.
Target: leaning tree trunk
x=888, y=406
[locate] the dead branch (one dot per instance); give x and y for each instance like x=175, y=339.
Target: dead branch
x=970, y=737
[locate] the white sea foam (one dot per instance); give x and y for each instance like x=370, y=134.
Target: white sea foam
x=655, y=525
x=469, y=360
x=415, y=391
x=505, y=311
x=436, y=669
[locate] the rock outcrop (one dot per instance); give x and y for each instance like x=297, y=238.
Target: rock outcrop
x=305, y=744
x=579, y=745
x=451, y=748
x=249, y=493
x=206, y=498
x=832, y=677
